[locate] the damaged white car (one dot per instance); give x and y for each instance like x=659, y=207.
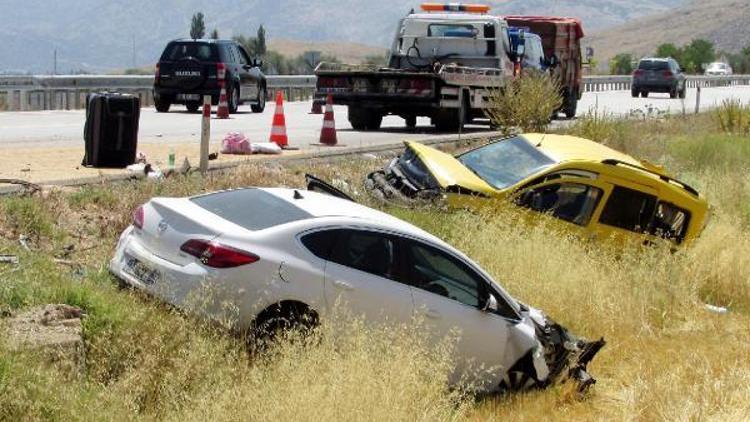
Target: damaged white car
x=277, y=255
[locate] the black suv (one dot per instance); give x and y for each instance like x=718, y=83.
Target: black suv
x=189, y=69
x=658, y=75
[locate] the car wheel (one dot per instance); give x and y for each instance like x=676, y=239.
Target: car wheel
x=193, y=106
x=673, y=92
x=234, y=99
x=283, y=320
x=683, y=92
x=364, y=118
x=634, y=93
x=570, y=107
x=260, y=105
x=162, y=106
x=411, y=121
x=644, y=94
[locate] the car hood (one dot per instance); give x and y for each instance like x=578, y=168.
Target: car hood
x=448, y=171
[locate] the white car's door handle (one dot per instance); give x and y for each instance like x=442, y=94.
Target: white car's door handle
x=432, y=314
x=343, y=285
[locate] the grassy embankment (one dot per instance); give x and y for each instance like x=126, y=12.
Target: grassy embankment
x=667, y=356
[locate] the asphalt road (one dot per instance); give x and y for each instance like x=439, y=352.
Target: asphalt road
x=65, y=128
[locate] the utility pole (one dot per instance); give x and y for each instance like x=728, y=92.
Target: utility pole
x=54, y=62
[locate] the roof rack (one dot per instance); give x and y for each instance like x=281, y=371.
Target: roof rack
x=665, y=178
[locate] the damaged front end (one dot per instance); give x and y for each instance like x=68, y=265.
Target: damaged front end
x=405, y=180
x=553, y=356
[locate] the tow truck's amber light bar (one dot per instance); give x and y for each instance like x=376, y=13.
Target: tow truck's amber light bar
x=455, y=7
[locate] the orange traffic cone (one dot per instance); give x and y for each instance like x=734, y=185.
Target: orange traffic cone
x=278, y=129
x=223, y=111
x=328, y=132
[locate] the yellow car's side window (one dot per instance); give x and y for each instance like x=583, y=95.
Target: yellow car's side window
x=573, y=202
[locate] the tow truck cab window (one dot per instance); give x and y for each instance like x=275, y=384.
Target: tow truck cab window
x=444, y=30
x=573, y=202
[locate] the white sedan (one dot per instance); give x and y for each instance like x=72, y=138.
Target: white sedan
x=261, y=257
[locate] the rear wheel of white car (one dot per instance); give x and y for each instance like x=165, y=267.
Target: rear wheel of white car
x=283, y=321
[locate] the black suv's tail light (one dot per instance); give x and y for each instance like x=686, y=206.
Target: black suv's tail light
x=221, y=71
x=216, y=255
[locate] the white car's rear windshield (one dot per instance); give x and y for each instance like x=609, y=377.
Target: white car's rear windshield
x=253, y=209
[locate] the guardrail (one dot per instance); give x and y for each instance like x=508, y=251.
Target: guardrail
x=66, y=92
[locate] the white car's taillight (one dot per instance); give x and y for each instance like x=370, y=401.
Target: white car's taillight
x=216, y=255
x=138, y=217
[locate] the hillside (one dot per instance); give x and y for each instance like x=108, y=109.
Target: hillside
x=99, y=35
x=724, y=22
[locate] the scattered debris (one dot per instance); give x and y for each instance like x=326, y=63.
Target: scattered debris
x=66, y=262
x=716, y=309
x=237, y=143
x=141, y=158
x=54, y=329
x=213, y=155
x=9, y=259
x=185, y=167
x=24, y=241
x=141, y=170
x=369, y=156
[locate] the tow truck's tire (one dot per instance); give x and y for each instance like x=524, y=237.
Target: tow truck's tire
x=411, y=121
x=162, y=106
x=364, y=119
x=570, y=105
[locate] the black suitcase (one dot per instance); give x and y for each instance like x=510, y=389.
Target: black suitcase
x=111, y=130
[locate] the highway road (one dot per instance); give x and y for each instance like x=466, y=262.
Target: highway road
x=65, y=128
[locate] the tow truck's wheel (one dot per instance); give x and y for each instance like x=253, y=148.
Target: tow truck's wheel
x=364, y=119
x=411, y=121
x=193, y=106
x=570, y=105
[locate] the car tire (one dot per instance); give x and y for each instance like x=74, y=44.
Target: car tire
x=683, y=92
x=234, y=99
x=570, y=105
x=644, y=94
x=193, y=106
x=260, y=105
x=634, y=93
x=280, y=320
x=410, y=121
x=364, y=118
x=162, y=106
x=673, y=93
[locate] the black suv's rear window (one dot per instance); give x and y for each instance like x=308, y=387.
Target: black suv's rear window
x=253, y=209
x=653, y=65
x=200, y=50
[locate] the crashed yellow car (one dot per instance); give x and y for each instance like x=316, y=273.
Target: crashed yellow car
x=586, y=185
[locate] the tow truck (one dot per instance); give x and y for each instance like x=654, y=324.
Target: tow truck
x=443, y=63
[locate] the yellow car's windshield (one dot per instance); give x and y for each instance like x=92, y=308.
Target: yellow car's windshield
x=506, y=162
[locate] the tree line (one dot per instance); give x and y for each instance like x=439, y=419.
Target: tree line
x=692, y=57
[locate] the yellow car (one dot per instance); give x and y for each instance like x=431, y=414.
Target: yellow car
x=584, y=184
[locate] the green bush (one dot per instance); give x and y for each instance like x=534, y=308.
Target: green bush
x=526, y=104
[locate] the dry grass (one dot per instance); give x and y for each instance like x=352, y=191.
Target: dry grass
x=524, y=104
x=668, y=357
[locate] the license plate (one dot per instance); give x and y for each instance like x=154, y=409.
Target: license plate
x=141, y=271
x=188, y=97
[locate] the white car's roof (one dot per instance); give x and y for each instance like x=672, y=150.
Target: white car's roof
x=323, y=205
